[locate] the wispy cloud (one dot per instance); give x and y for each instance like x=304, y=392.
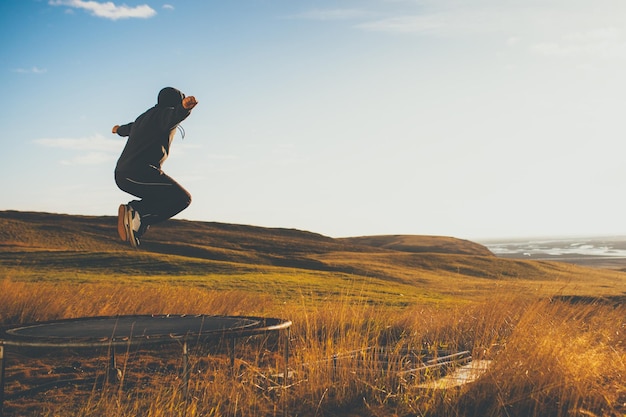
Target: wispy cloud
x=93, y=143
x=90, y=158
x=168, y=7
x=446, y=23
x=513, y=40
x=85, y=151
x=606, y=43
x=332, y=14
x=531, y=21
x=32, y=70
x=407, y=24
x=108, y=10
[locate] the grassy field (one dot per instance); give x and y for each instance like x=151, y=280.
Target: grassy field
x=553, y=333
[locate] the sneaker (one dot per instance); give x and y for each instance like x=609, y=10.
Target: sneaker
x=128, y=226
x=121, y=228
x=125, y=214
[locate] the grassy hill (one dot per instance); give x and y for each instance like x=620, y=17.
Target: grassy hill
x=58, y=247
x=421, y=244
x=60, y=231
x=546, y=326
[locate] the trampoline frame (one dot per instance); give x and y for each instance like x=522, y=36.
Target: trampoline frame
x=9, y=337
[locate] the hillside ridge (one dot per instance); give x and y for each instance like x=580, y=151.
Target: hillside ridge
x=422, y=244
x=49, y=246
x=43, y=240
x=53, y=230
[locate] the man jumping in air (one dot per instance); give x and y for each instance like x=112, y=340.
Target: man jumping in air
x=138, y=171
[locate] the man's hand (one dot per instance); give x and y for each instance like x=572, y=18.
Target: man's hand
x=189, y=102
x=114, y=130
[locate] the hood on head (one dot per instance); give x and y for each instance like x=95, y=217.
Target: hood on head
x=170, y=97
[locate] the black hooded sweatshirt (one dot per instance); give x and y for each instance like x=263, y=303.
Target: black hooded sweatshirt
x=151, y=134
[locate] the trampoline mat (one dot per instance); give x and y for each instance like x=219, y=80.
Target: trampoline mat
x=133, y=327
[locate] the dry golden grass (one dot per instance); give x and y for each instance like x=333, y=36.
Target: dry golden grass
x=26, y=302
x=550, y=357
x=561, y=359
x=363, y=316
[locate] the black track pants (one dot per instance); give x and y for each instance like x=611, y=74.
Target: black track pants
x=161, y=196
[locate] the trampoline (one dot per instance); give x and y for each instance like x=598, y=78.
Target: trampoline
x=112, y=331
x=122, y=330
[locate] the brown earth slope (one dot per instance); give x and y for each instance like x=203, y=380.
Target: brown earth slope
x=421, y=244
x=34, y=231
x=47, y=240
x=70, y=245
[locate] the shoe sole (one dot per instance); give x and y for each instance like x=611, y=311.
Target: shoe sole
x=121, y=228
x=128, y=219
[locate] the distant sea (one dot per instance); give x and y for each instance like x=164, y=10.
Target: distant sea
x=600, y=252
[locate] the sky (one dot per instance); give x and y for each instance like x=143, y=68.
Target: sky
x=474, y=119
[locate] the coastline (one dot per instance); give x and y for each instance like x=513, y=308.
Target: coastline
x=595, y=252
